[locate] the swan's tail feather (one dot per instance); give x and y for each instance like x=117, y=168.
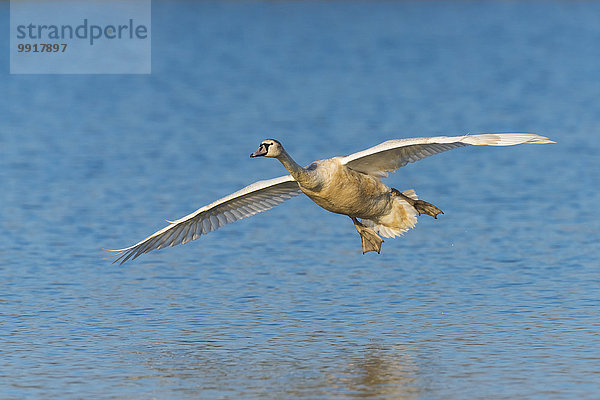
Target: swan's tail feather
x=402, y=217
x=411, y=193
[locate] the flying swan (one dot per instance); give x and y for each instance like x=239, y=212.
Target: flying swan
x=349, y=185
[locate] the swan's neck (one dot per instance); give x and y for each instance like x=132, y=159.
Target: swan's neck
x=292, y=166
x=299, y=173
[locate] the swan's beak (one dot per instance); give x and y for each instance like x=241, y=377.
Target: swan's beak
x=260, y=152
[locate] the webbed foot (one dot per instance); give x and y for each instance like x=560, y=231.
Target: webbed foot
x=421, y=206
x=424, y=207
x=370, y=240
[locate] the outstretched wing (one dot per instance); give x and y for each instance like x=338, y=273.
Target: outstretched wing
x=258, y=197
x=393, y=154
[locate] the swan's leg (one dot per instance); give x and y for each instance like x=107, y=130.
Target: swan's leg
x=370, y=240
x=421, y=206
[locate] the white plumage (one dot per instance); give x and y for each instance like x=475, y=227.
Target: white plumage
x=258, y=197
x=349, y=185
x=393, y=154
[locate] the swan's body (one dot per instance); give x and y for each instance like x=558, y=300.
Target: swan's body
x=348, y=185
x=343, y=190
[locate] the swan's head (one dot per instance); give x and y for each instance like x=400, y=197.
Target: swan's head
x=268, y=148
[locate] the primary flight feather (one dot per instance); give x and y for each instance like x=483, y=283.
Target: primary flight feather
x=349, y=185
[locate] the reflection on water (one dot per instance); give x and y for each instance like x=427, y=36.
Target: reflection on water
x=380, y=372
x=370, y=371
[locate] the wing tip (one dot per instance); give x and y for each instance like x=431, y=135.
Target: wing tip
x=505, y=139
x=532, y=138
x=541, y=140
x=121, y=255
x=116, y=257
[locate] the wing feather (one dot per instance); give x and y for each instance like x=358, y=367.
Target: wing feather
x=258, y=197
x=394, y=154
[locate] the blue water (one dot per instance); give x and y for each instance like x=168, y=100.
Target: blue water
x=498, y=298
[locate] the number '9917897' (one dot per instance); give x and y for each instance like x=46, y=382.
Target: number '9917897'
x=41, y=47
